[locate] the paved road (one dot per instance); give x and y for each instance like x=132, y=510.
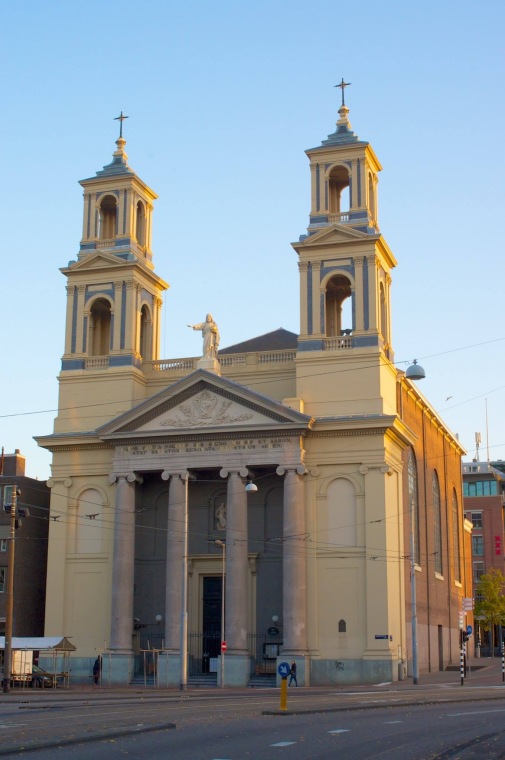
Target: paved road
x=200, y=720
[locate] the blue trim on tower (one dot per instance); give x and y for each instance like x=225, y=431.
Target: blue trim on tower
x=124, y=212
x=319, y=219
x=126, y=360
x=310, y=325
x=84, y=334
x=111, y=336
x=69, y=364
x=366, y=304
x=322, y=315
x=88, y=226
x=365, y=341
x=123, y=317
x=73, y=335
x=87, y=247
x=310, y=345
x=318, y=194
x=359, y=181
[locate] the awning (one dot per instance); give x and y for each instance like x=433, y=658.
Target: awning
x=37, y=643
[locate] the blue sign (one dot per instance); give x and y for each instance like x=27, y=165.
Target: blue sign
x=283, y=669
x=382, y=635
x=469, y=630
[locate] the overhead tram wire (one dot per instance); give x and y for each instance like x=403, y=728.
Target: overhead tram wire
x=315, y=374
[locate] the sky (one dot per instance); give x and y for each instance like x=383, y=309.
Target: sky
x=223, y=98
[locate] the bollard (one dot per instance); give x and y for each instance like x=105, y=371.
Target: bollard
x=284, y=693
x=502, y=662
x=462, y=665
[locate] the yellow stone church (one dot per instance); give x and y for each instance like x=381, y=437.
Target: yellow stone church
x=261, y=503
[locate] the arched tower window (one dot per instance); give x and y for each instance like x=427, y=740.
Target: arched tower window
x=338, y=290
x=146, y=334
x=455, y=537
x=414, y=504
x=337, y=184
x=437, y=523
x=342, y=626
x=108, y=208
x=100, y=322
x=141, y=224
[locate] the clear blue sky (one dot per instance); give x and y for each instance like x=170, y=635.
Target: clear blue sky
x=223, y=99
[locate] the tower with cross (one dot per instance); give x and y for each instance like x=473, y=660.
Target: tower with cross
x=345, y=277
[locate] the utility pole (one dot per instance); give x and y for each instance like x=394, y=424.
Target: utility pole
x=9, y=609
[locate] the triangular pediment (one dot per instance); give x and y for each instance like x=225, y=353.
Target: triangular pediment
x=204, y=403
x=97, y=260
x=335, y=234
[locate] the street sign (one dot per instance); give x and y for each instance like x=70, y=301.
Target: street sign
x=283, y=669
x=469, y=630
x=224, y=646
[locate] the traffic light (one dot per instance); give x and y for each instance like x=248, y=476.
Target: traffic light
x=465, y=637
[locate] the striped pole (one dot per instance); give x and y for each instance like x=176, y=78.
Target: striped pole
x=462, y=665
x=502, y=662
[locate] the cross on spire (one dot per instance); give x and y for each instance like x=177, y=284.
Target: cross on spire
x=342, y=85
x=122, y=117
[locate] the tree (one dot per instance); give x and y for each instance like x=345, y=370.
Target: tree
x=490, y=605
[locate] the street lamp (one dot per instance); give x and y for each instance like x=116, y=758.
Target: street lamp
x=222, y=544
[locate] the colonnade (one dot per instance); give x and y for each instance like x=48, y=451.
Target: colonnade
x=236, y=601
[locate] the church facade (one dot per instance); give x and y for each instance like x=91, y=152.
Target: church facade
x=269, y=495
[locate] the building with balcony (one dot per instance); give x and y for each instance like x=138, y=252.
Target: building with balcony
x=304, y=465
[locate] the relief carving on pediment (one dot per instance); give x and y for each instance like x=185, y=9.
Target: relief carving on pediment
x=202, y=410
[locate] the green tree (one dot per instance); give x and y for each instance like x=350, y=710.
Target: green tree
x=490, y=606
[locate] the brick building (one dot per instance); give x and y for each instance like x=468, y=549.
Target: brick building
x=30, y=566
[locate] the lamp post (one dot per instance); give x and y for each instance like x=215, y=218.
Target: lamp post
x=414, y=372
x=222, y=544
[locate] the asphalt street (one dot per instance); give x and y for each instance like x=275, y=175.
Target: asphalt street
x=41, y=719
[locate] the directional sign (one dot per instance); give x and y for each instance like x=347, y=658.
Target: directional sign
x=283, y=669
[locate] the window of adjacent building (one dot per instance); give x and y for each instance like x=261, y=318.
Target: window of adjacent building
x=480, y=488
x=3, y=577
x=437, y=523
x=476, y=519
x=414, y=505
x=478, y=571
x=3, y=545
x=478, y=546
x=455, y=537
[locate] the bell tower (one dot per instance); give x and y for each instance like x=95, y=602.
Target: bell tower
x=345, y=281
x=114, y=300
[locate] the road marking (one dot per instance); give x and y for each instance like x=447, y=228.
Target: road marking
x=282, y=744
x=12, y=725
x=339, y=731
x=473, y=712
x=390, y=722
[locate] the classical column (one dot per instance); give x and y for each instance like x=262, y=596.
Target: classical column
x=123, y=563
x=236, y=561
x=294, y=562
x=177, y=512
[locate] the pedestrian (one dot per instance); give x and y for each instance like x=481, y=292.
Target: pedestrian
x=96, y=670
x=292, y=674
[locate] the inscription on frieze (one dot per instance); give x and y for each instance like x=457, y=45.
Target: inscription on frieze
x=202, y=447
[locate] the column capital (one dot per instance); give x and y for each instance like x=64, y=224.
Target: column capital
x=303, y=266
x=130, y=477
x=300, y=469
x=52, y=482
x=243, y=472
x=182, y=474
